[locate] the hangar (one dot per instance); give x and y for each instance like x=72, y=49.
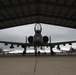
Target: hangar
x=22, y=12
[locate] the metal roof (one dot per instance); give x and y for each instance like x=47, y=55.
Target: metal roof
x=21, y=12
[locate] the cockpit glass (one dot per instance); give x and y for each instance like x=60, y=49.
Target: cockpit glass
x=38, y=27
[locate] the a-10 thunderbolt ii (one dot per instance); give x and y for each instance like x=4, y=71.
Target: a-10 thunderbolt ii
x=37, y=41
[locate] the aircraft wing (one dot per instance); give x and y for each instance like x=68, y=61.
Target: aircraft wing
x=63, y=43
x=59, y=43
x=44, y=44
x=13, y=43
x=17, y=43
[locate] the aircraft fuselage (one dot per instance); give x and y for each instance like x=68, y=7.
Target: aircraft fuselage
x=38, y=39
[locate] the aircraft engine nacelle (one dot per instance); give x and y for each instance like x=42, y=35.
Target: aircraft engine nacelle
x=45, y=39
x=30, y=39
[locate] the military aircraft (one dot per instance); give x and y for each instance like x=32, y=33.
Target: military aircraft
x=70, y=51
x=37, y=41
x=4, y=52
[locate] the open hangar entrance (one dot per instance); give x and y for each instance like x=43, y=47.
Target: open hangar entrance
x=23, y=12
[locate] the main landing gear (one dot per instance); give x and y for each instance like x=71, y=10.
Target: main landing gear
x=51, y=51
x=24, y=52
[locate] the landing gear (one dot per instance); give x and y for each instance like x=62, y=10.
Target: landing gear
x=38, y=52
x=35, y=51
x=51, y=51
x=24, y=52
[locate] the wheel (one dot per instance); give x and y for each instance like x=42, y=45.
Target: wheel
x=38, y=52
x=52, y=53
x=24, y=52
x=35, y=53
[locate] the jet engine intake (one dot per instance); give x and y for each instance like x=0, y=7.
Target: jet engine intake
x=45, y=39
x=30, y=39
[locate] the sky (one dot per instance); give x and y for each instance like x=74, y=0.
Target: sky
x=18, y=34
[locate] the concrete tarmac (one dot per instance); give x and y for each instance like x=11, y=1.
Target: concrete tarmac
x=40, y=65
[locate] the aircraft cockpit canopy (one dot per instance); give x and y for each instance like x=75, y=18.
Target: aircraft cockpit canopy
x=38, y=27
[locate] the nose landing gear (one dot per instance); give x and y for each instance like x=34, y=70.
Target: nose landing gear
x=35, y=48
